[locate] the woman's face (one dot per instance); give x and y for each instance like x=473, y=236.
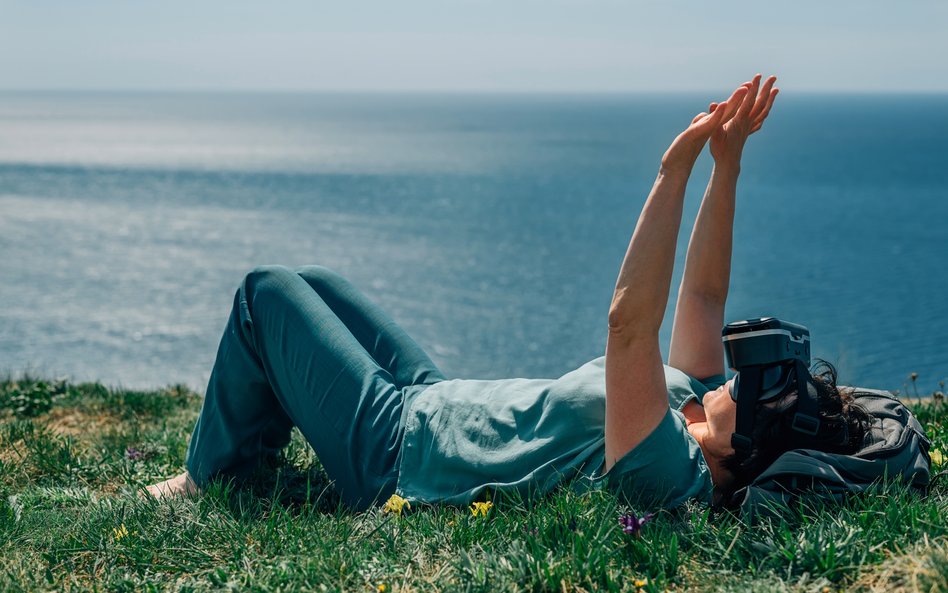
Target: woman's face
x=721, y=413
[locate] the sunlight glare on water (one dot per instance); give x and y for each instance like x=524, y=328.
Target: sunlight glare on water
x=491, y=228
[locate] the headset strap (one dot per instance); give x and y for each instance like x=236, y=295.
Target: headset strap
x=748, y=390
x=807, y=418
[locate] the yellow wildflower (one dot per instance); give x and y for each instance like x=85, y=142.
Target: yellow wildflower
x=382, y=588
x=937, y=457
x=395, y=504
x=481, y=508
x=639, y=583
x=119, y=532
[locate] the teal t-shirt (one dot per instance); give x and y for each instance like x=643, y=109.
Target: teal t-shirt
x=464, y=437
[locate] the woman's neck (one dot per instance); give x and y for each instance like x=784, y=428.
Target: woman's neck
x=720, y=476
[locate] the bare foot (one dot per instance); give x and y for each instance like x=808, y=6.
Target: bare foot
x=180, y=485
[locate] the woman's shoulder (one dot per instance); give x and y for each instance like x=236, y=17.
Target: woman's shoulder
x=665, y=469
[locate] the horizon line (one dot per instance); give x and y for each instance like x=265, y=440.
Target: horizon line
x=453, y=91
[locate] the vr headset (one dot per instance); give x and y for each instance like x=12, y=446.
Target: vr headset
x=772, y=358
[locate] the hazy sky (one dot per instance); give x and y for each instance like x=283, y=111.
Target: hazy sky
x=484, y=45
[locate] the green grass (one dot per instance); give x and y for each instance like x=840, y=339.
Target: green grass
x=72, y=458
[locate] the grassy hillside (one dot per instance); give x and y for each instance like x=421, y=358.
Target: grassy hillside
x=72, y=458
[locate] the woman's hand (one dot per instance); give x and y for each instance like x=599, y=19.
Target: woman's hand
x=684, y=150
x=727, y=140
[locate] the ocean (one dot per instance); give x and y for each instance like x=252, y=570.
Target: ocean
x=491, y=227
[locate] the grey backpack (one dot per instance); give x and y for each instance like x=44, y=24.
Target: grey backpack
x=895, y=448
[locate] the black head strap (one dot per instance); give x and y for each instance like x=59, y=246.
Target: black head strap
x=747, y=389
x=807, y=418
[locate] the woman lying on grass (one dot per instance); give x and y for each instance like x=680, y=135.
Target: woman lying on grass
x=304, y=348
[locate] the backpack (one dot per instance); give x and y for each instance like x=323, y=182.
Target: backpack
x=895, y=447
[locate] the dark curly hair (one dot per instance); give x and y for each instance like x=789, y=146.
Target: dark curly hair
x=843, y=426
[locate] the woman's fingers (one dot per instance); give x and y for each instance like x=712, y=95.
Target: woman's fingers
x=751, y=98
x=732, y=104
x=764, y=99
x=704, y=123
x=759, y=120
x=712, y=107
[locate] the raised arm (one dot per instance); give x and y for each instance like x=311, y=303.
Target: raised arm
x=636, y=397
x=699, y=313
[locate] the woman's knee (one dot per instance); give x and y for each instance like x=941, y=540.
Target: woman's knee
x=318, y=276
x=275, y=285
x=266, y=280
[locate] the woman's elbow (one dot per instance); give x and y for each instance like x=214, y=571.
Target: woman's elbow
x=628, y=326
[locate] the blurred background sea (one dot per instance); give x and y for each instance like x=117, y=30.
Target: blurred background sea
x=490, y=226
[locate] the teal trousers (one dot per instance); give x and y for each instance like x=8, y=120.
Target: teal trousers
x=305, y=348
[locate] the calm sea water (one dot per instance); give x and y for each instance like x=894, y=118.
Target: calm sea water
x=490, y=227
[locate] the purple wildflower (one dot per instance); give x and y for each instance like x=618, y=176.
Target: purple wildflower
x=132, y=453
x=632, y=523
